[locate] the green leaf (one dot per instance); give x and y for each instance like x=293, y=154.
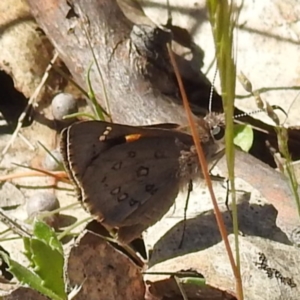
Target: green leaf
x=27, y=252
x=49, y=266
x=98, y=109
x=45, y=254
x=243, y=136
x=45, y=233
x=80, y=115
x=28, y=277
x=194, y=281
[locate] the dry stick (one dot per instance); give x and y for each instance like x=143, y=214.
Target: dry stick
x=203, y=163
x=60, y=175
x=22, y=230
x=30, y=103
x=26, y=141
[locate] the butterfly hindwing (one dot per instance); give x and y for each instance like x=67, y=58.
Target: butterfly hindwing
x=138, y=175
x=127, y=176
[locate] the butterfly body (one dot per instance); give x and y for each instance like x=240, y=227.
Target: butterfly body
x=129, y=176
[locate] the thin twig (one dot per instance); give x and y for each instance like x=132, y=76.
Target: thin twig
x=61, y=175
x=203, y=164
x=26, y=141
x=14, y=225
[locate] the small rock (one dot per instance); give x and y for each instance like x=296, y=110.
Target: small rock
x=50, y=164
x=42, y=202
x=64, y=104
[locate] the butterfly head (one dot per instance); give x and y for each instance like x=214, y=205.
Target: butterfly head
x=212, y=136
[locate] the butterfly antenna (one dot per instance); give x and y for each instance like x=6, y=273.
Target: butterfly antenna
x=212, y=91
x=248, y=113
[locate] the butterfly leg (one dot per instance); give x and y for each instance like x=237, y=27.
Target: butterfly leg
x=190, y=189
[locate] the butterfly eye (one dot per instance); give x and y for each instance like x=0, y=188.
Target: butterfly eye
x=217, y=132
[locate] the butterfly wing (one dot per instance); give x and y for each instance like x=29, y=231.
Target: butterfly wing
x=80, y=144
x=131, y=178
x=123, y=182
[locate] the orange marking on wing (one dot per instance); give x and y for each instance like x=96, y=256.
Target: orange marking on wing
x=132, y=137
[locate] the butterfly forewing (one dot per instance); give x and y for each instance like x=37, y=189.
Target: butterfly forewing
x=124, y=173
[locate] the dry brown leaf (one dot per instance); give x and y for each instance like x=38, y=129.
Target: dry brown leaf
x=102, y=271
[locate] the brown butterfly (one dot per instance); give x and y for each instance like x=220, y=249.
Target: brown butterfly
x=129, y=176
